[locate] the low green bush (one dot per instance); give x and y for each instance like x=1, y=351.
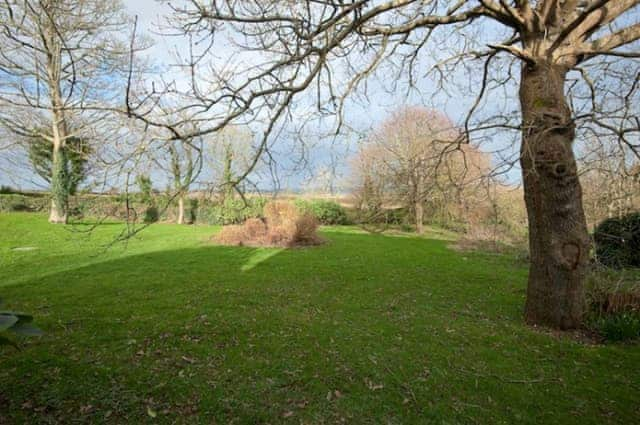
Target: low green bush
x=618, y=327
x=6, y=190
x=613, y=303
x=15, y=202
x=617, y=241
x=232, y=211
x=327, y=212
x=151, y=215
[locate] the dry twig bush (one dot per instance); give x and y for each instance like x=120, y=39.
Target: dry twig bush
x=613, y=292
x=284, y=225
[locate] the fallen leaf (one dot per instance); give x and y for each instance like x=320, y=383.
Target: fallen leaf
x=188, y=359
x=152, y=413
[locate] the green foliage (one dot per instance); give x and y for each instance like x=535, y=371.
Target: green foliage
x=151, y=215
x=327, y=212
x=146, y=188
x=31, y=203
x=151, y=212
x=617, y=241
x=231, y=211
x=16, y=323
x=618, y=327
x=6, y=190
x=191, y=208
x=77, y=152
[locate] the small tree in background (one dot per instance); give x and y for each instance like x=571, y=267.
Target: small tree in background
x=145, y=185
x=231, y=158
x=183, y=168
x=414, y=160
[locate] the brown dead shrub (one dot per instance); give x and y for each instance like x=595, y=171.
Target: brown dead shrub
x=254, y=228
x=612, y=292
x=232, y=235
x=284, y=225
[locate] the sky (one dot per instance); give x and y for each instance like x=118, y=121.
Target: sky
x=362, y=114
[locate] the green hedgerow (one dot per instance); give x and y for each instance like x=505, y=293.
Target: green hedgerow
x=327, y=212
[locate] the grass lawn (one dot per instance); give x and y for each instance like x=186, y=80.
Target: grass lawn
x=365, y=329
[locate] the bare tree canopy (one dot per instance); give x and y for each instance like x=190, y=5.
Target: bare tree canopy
x=571, y=64
x=414, y=160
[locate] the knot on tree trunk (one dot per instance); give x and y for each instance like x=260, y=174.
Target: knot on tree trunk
x=570, y=255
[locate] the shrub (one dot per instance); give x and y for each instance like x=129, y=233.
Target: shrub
x=284, y=225
x=255, y=228
x=6, y=190
x=288, y=226
x=233, y=234
x=232, y=211
x=618, y=327
x=192, y=210
x=327, y=212
x=151, y=215
x=613, y=304
x=610, y=292
x=15, y=202
x=617, y=241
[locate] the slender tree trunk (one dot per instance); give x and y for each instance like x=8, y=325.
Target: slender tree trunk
x=419, y=217
x=558, y=238
x=181, y=209
x=59, y=174
x=58, y=212
x=227, y=175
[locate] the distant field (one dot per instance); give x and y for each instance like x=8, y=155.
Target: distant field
x=364, y=329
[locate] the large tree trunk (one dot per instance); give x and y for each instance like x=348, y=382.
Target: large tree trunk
x=558, y=238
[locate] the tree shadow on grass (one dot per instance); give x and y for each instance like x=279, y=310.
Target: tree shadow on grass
x=239, y=332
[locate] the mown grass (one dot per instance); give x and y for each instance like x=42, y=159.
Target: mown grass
x=364, y=329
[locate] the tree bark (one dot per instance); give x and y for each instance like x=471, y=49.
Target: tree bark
x=58, y=212
x=59, y=184
x=59, y=174
x=419, y=217
x=558, y=238
x=181, y=209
